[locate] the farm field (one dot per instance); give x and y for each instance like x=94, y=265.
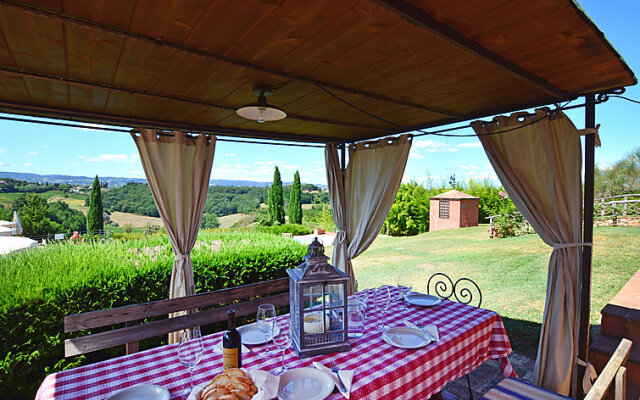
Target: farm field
x=228, y=221
x=511, y=272
x=7, y=198
x=136, y=221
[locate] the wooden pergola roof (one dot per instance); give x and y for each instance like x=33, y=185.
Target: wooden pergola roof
x=189, y=64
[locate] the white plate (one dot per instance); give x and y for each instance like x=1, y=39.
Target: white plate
x=141, y=392
x=406, y=338
x=305, y=384
x=251, y=335
x=425, y=300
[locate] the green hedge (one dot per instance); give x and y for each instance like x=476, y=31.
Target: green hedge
x=294, y=229
x=41, y=286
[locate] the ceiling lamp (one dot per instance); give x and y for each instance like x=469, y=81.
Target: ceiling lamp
x=261, y=111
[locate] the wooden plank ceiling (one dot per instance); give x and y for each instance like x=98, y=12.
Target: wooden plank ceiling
x=189, y=64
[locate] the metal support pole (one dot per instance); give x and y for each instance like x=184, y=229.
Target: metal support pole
x=343, y=158
x=587, y=237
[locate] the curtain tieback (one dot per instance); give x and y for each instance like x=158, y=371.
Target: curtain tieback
x=181, y=259
x=558, y=246
x=590, y=374
x=341, y=236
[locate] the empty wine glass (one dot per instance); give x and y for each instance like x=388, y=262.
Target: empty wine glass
x=405, y=285
x=190, y=351
x=283, y=340
x=266, y=320
x=382, y=300
x=363, y=297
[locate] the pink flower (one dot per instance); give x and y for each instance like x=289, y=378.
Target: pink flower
x=503, y=195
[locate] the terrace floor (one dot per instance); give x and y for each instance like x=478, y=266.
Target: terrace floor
x=486, y=376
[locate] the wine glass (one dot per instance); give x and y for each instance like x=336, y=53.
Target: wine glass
x=283, y=340
x=363, y=297
x=382, y=300
x=405, y=284
x=266, y=321
x=190, y=351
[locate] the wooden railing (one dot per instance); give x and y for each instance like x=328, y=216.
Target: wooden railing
x=610, y=210
x=133, y=316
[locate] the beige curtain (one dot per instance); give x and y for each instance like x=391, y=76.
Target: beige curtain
x=178, y=167
x=362, y=197
x=539, y=163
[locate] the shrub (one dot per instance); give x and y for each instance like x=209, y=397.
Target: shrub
x=509, y=225
x=294, y=229
x=41, y=286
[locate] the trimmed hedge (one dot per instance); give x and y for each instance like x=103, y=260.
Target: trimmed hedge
x=43, y=285
x=294, y=229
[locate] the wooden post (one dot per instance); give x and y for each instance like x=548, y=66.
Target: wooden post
x=587, y=237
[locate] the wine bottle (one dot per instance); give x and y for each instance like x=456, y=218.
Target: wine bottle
x=231, y=344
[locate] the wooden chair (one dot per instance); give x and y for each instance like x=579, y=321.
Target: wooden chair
x=135, y=330
x=510, y=388
x=462, y=291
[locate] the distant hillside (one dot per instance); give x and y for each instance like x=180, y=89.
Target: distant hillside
x=119, y=181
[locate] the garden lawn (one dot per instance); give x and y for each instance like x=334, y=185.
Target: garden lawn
x=512, y=272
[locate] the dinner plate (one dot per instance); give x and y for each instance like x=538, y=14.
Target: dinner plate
x=250, y=334
x=141, y=392
x=305, y=384
x=406, y=338
x=424, y=300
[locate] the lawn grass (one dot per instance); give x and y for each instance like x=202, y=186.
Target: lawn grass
x=512, y=272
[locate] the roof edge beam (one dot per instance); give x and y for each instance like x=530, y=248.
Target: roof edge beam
x=420, y=18
x=134, y=122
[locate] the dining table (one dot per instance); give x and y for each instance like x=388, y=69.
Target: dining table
x=469, y=336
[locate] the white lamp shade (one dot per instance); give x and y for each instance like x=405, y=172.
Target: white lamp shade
x=261, y=113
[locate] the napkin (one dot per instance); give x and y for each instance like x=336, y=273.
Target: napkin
x=345, y=374
x=218, y=348
x=266, y=383
x=431, y=330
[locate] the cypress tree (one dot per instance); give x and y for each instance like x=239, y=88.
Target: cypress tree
x=276, y=202
x=295, y=203
x=95, y=219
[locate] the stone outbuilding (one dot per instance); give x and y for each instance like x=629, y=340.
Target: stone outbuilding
x=453, y=209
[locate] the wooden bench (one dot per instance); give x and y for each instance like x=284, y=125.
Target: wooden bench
x=614, y=370
x=132, y=316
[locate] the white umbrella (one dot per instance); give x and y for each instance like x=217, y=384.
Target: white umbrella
x=18, y=224
x=15, y=243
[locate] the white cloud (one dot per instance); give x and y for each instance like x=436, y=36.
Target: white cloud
x=229, y=155
x=28, y=164
x=111, y=157
x=469, y=166
x=6, y=165
x=470, y=144
x=416, y=156
x=33, y=153
x=432, y=146
x=453, y=149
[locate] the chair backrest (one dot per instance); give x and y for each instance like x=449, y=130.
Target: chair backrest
x=464, y=290
x=613, y=370
x=132, y=316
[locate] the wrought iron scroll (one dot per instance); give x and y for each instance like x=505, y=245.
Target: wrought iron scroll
x=464, y=290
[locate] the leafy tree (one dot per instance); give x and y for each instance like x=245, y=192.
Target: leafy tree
x=409, y=214
x=65, y=219
x=34, y=216
x=623, y=177
x=19, y=203
x=209, y=221
x=6, y=214
x=95, y=219
x=295, y=205
x=276, y=201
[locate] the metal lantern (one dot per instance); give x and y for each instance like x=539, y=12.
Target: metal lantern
x=318, y=303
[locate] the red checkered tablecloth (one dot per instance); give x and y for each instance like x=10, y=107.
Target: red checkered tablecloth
x=468, y=337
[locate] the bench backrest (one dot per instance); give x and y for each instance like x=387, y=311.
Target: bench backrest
x=132, y=315
x=613, y=370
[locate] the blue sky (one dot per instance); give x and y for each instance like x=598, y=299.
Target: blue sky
x=71, y=151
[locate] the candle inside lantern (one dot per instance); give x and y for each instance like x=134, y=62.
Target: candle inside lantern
x=313, y=323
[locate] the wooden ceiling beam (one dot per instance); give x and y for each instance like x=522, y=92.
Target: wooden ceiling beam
x=135, y=122
x=132, y=91
x=422, y=19
x=159, y=41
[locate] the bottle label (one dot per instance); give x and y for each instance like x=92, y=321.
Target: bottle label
x=230, y=358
